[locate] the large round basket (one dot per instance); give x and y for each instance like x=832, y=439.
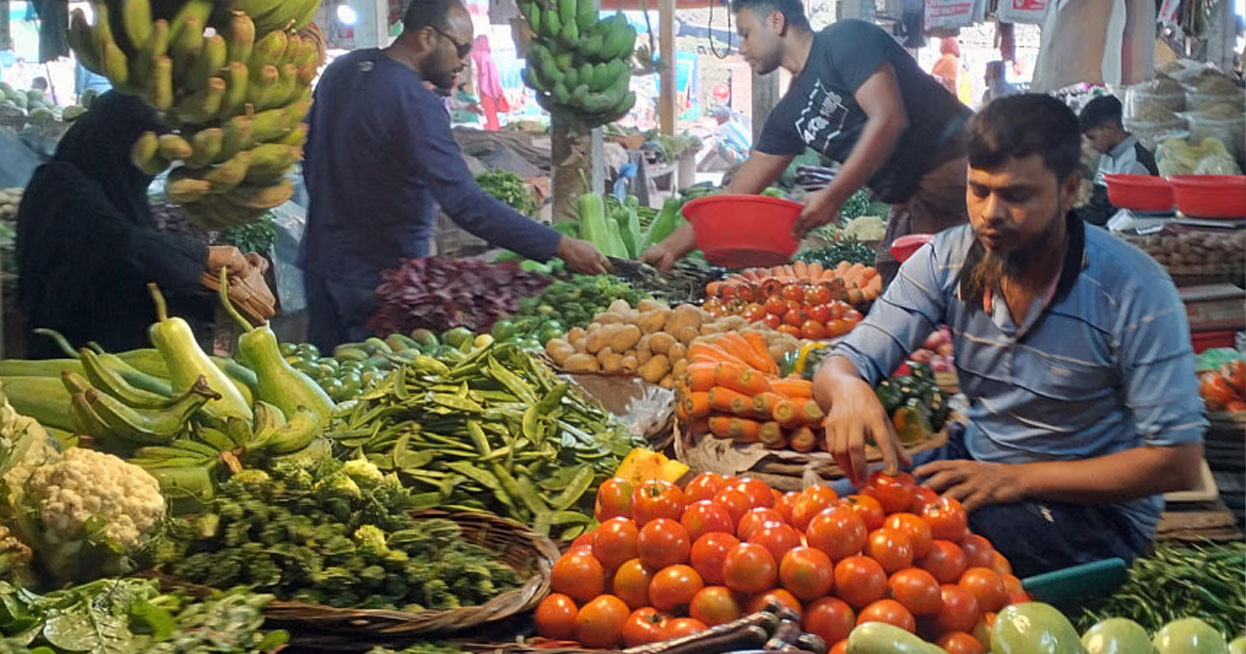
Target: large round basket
x=529, y=553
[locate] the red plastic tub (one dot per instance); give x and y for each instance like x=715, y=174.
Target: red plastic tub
x=902, y=248
x=1139, y=192
x=743, y=231
x=1210, y=196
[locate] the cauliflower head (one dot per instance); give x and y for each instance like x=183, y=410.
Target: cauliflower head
x=24, y=446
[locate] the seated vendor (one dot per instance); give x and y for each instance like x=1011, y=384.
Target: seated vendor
x=1101, y=124
x=1072, y=347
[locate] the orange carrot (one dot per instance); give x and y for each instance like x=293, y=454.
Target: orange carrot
x=742, y=406
x=794, y=413
x=800, y=268
x=701, y=376
x=743, y=430
x=815, y=271
x=737, y=346
x=712, y=289
x=793, y=387
x=869, y=273
x=721, y=399
x=752, y=383
x=699, y=426
x=705, y=352
x=761, y=352
x=842, y=268
x=803, y=440
x=727, y=374
x=788, y=271
x=776, y=271
x=720, y=426
x=763, y=403
x=772, y=436
x=697, y=405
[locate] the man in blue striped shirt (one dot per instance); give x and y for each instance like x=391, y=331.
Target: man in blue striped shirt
x=1071, y=345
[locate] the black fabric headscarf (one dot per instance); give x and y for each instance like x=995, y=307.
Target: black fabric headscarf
x=86, y=241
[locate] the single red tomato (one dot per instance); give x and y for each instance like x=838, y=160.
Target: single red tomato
x=812, y=501
x=959, y=642
x=837, y=327
x=727, y=291
x=776, y=305
x=757, y=491
x=915, y=528
x=893, y=492
x=982, y=630
x=1000, y=564
x=946, y=561
x=1019, y=598
x=614, y=500
x=860, y=581
x=795, y=318
x=785, y=504
x=674, y=587
x=682, y=627
x=852, y=315
x=778, y=596
x=812, y=330
x=753, y=312
x=584, y=541
x=714, y=306
x=773, y=320
x=615, y=542
x=600, y=622
x=830, y=619
x=657, y=499
x=715, y=605
x=750, y=568
x=818, y=295
x=794, y=292
x=870, y=510
x=947, y=519
x=1012, y=583
x=807, y=572
x=644, y=626
x=793, y=305
x=979, y=553
x=960, y=610
x=838, y=531
x=579, y=575
x=820, y=313
x=921, y=497
x=631, y=583
x=704, y=487
x=776, y=537
x=736, y=503
x=839, y=648
x=662, y=543
x=917, y=590
x=791, y=330
x=709, y=553
x=987, y=588
x=889, y=612
x=703, y=517
x=747, y=292
x=755, y=519
x=555, y=617
x=890, y=548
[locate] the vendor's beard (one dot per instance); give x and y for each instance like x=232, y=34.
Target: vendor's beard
x=995, y=266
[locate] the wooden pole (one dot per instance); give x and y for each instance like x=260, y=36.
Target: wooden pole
x=666, y=47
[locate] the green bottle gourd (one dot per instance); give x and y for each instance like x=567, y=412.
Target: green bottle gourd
x=187, y=362
x=278, y=383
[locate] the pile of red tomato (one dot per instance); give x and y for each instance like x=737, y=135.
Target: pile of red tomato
x=1224, y=389
x=666, y=562
x=802, y=310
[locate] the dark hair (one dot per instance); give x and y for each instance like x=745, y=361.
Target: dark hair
x=1101, y=110
x=792, y=10
x=427, y=13
x=1018, y=126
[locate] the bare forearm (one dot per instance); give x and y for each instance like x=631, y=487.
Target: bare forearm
x=757, y=172
x=681, y=241
x=1120, y=477
x=832, y=371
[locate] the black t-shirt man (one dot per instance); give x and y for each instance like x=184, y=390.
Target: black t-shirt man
x=820, y=112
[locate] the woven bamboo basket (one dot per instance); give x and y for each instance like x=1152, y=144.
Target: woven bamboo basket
x=529, y=553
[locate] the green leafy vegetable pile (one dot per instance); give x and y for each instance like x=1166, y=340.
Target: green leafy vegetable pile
x=336, y=534
x=258, y=236
x=850, y=250
x=509, y=188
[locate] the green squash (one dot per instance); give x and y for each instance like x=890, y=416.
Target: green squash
x=1117, y=636
x=882, y=638
x=1034, y=628
x=1238, y=646
x=1189, y=636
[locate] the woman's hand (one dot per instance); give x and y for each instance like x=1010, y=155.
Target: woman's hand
x=227, y=256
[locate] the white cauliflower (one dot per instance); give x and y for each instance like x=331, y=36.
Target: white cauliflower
x=866, y=228
x=86, y=499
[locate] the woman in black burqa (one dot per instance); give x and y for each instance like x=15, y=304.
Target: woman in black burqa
x=87, y=244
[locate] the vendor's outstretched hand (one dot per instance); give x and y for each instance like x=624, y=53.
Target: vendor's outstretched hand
x=582, y=256
x=659, y=256
x=227, y=256
x=257, y=261
x=974, y=483
x=853, y=415
x=820, y=209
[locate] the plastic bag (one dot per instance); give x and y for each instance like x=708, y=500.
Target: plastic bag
x=1176, y=156
x=290, y=220
x=1151, y=133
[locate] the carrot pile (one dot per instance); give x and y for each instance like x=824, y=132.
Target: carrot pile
x=854, y=283
x=732, y=389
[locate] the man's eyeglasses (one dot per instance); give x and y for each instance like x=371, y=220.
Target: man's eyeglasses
x=462, y=49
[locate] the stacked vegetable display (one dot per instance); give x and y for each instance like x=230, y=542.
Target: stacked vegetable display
x=562, y=306
x=579, y=66
x=812, y=310
x=668, y=560
x=235, y=97
x=1224, y=389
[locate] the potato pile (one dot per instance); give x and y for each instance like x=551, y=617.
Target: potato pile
x=1196, y=253
x=650, y=340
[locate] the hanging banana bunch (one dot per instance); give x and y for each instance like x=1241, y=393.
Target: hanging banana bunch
x=579, y=66
x=232, y=79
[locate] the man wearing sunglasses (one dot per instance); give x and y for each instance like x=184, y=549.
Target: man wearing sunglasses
x=381, y=157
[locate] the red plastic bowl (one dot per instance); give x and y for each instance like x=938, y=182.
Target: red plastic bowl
x=1210, y=196
x=1139, y=192
x=902, y=248
x=744, y=231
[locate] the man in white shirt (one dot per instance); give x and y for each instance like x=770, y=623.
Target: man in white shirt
x=1100, y=123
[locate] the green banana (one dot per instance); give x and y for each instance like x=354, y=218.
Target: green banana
x=302, y=428
x=285, y=86
x=84, y=420
x=552, y=24
x=161, y=93
x=570, y=32
x=74, y=383
x=308, y=14
x=186, y=45
x=186, y=190
x=215, y=438
x=115, y=64
x=268, y=417
x=145, y=154
x=165, y=462
x=586, y=14
x=205, y=146
x=572, y=77
x=531, y=80
x=270, y=125
x=241, y=37
x=190, y=482
x=200, y=10
x=106, y=379
x=136, y=19
x=267, y=51
x=237, y=137
x=202, y=105
x=285, y=15
x=174, y=147
x=261, y=197
x=270, y=162
x=239, y=431
x=566, y=11
x=534, y=15
x=149, y=427
x=263, y=87
x=229, y=174
x=174, y=450
x=102, y=31
x=237, y=79
x=243, y=377
x=144, y=61
x=297, y=136
x=591, y=47
x=208, y=64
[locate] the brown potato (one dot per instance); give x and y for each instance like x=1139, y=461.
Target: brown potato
x=581, y=363
x=624, y=338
